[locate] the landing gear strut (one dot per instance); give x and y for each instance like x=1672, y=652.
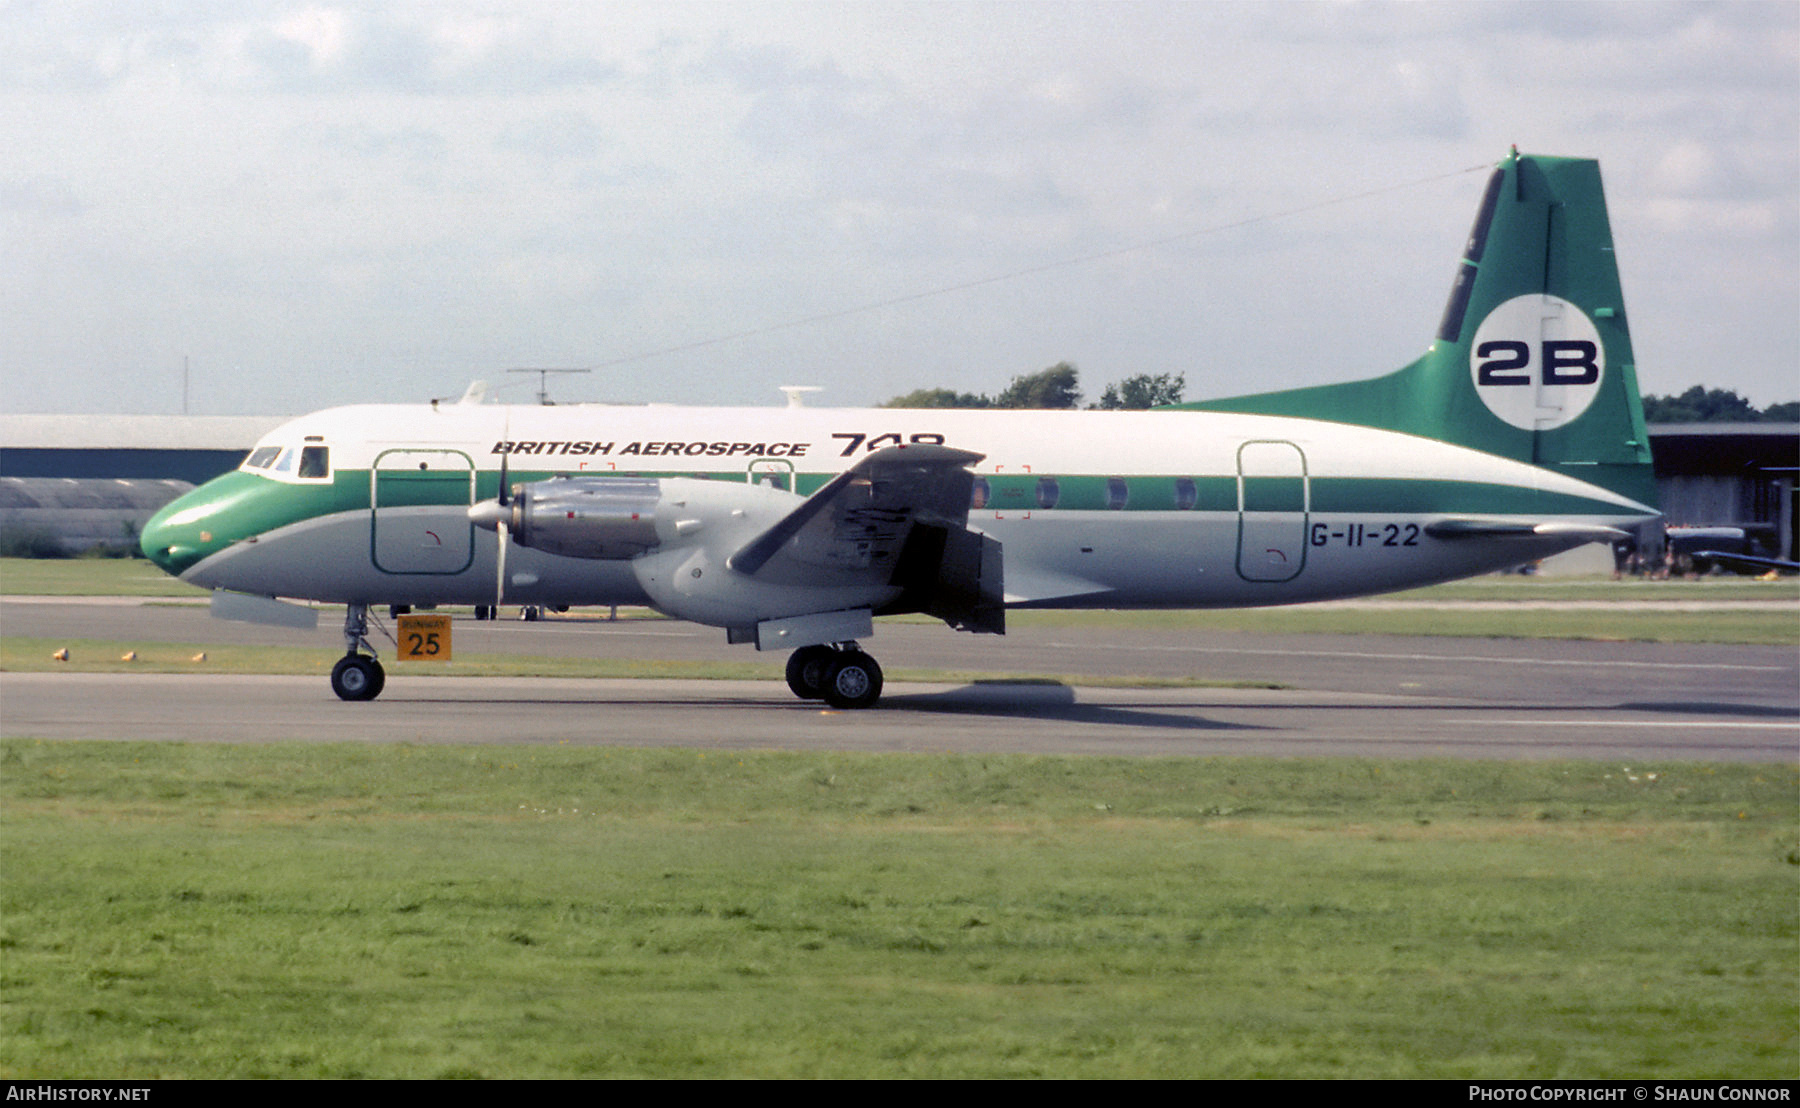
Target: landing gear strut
x=357, y=676
x=841, y=675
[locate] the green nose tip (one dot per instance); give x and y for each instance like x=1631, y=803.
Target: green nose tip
x=172, y=557
x=171, y=547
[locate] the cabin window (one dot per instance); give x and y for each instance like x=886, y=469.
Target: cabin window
x=261, y=457
x=1117, y=493
x=1187, y=494
x=978, y=493
x=315, y=461
x=774, y=473
x=1048, y=492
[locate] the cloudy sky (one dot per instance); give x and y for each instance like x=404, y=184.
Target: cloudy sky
x=323, y=203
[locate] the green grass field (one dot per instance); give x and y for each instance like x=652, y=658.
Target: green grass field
x=397, y=911
x=89, y=577
x=1632, y=611
x=176, y=910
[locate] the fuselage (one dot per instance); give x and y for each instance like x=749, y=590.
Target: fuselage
x=370, y=504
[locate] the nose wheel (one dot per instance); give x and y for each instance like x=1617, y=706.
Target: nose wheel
x=843, y=676
x=357, y=676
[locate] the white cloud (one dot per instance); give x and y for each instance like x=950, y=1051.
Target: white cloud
x=427, y=191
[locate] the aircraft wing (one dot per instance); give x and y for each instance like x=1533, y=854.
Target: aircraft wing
x=897, y=518
x=1484, y=527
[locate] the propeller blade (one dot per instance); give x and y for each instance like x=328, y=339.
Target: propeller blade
x=503, y=519
x=505, y=537
x=501, y=531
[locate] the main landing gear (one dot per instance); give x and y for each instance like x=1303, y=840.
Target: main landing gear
x=841, y=675
x=357, y=676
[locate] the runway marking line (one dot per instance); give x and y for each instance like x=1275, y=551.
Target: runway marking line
x=1431, y=657
x=1710, y=724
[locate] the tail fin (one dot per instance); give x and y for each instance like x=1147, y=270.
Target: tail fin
x=1533, y=358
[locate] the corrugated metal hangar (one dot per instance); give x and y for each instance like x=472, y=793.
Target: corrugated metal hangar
x=70, y=482
x=178, y=448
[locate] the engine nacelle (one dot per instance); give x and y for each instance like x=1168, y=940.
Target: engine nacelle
x=679, y=533
x=581, y=517
x=621, y=518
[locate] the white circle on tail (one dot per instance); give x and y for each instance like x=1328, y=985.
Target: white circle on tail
x=1537, y=361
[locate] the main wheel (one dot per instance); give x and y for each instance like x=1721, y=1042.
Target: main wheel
x=852, y=681
x=807, y=669
x=357, y=677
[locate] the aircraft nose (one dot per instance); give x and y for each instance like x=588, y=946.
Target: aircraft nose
x=192, y=526
x=172, y=546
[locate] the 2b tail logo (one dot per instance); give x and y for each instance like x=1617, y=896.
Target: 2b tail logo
x=1564, y=362
x=1537, y=362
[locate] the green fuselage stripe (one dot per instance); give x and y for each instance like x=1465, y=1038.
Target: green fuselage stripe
x=349, y=491
x=241, y=506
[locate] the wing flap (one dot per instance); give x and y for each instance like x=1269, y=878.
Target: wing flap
x=899, y=519
x=857, y=524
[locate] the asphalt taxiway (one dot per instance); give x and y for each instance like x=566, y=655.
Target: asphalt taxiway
x=1361, y=695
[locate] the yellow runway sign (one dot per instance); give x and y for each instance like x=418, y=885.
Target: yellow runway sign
x=424, y=638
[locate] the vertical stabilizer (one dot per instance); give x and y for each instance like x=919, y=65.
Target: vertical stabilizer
x=1532, y=358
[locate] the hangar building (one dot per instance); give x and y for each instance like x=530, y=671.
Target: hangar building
x=75, y=481
x=1731, y=474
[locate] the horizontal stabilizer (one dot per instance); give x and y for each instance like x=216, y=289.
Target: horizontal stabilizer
x=1475, y=527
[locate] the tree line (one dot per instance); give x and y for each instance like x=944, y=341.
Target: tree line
x=1057, y=388
x=1703, y=405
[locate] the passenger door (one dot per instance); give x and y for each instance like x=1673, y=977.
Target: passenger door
x=420, y=500
x=1274, y=498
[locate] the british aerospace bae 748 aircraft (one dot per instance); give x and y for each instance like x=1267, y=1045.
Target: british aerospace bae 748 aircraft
x=1518, y=434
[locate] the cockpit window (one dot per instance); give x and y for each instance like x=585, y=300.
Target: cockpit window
x=315, y=461
x=305, y=462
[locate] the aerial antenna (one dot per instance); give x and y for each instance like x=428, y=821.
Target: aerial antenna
x=544, y=380
x=1046, y=267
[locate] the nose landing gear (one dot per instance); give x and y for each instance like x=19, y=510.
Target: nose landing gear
x=357, y=676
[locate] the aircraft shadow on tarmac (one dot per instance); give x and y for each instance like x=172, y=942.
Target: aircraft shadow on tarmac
x=1711, y=708
x=1010, y=700
x=1050, y=701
